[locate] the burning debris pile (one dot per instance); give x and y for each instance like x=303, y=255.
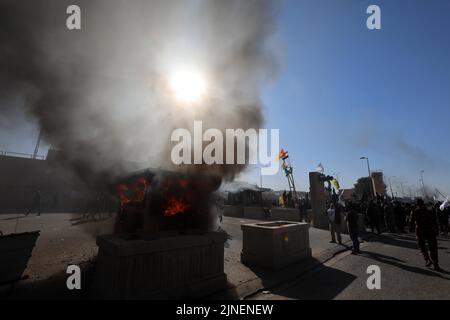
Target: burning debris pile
x=158, y=201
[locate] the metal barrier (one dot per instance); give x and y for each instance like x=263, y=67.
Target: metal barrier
x=20, y=155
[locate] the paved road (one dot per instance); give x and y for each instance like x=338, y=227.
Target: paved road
x=403, y=274
x=69, y=239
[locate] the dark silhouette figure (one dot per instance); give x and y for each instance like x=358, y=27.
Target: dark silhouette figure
x=372, y=214
x=426, y=232
x=353, y=232
x=400, y=217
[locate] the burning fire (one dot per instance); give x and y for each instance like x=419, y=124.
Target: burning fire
x=134, y=193
x=175, y=206
x=153, y=203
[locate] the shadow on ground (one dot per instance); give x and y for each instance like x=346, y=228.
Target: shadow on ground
x=401, y=264
x=52, y=288
x=326, y=287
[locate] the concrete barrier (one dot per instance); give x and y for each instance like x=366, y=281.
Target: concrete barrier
x=274, y=245
x=255, y=213
x=165, y=265
x=233, y=211
x=285, y=214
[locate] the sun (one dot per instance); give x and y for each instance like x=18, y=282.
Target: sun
x=188, y=86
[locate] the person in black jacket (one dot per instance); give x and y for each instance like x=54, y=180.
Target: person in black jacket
x=352, y=222
x=426, y=231
x=372, y=214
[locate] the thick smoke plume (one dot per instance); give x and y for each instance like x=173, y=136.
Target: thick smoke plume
x=101, y=94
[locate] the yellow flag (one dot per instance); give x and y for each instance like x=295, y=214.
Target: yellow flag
x=335, y=183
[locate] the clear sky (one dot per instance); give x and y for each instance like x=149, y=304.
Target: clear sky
x=344, y=91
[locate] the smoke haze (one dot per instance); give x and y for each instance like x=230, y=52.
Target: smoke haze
x=101, y=94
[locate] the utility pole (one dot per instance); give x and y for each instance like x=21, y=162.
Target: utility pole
x=372, y=189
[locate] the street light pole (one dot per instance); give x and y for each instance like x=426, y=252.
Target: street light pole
x=370, y=177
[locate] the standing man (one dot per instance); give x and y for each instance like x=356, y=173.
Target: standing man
x=426, y=231
x=389, y=217
x=372, y=214
x=400, y=216
x=352, y=222
x=301, y=208
x=334, y=218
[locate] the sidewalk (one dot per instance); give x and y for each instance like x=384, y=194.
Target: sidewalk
x=244, y=281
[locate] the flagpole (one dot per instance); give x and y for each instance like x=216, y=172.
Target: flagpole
x=260, y=179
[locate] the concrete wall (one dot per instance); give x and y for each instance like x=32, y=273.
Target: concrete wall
x=61, y=190
x=255, y=213
x=285, y=214
x=318, y=201
x=233, y=211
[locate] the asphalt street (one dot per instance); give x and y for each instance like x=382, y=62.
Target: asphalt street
x=403, y=274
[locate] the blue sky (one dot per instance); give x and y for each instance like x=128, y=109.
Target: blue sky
x=344, y=91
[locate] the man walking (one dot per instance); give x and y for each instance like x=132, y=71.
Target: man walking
x=334, y=218
x=426, y=231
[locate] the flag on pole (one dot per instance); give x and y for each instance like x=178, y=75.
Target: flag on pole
x=283, y=155
x=444, y=205
x=335, y=184
x=320, y=168
x=341, y=201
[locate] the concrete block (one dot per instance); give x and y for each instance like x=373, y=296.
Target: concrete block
x=274, y=245
x=164, y=265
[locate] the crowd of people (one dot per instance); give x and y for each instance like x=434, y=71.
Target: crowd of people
x=427, y=220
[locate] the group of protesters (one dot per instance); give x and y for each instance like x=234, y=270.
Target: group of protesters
x=427, y=220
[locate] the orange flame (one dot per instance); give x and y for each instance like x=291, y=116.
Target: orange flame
x=134, y=193
x=175, y=206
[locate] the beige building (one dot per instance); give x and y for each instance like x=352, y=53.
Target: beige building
x=378, y=182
